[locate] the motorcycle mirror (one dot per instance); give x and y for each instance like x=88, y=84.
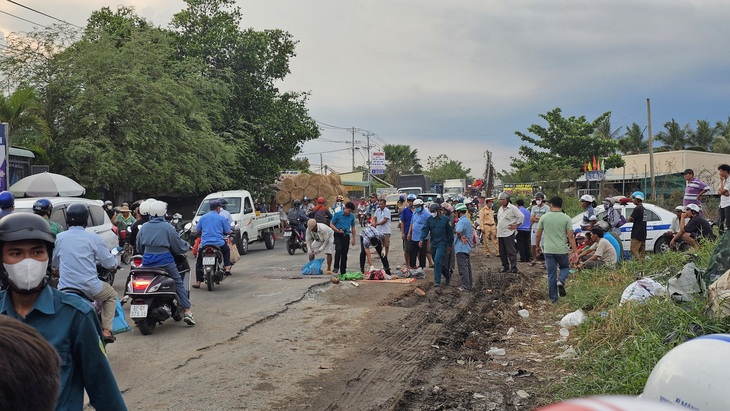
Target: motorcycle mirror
x=188, y=226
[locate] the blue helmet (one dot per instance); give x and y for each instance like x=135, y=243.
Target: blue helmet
x=411, y=196
x=42, y=206
x=7, y=199
x=401, y=198
x=639, y=195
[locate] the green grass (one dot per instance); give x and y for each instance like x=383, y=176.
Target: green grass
x=618, y=351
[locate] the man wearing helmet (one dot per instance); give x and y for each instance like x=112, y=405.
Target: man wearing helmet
x=508, y=219
x=589, y=215
x=157, y=241
x=75, y=256
x=64, y=320
x=297, y=216
x=442, y=235
x=307, y=205
x=320, y=213
x=694, y=229
x=212, y=229
x=142, y=216
x=486, y=221
x=638, y=231
x=109, y=208
x=224, y=212
x=339, y=204
x=7, y=203
x=44, y=208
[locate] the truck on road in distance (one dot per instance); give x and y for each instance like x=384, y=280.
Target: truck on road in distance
x=454, y=188
x=413, y=184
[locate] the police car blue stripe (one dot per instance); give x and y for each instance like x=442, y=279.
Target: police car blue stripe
x=721, y=337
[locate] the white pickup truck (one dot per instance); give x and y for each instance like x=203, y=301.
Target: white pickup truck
x=249, y=227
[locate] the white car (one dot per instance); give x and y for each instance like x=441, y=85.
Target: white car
x=98, y=223
x=658, y=222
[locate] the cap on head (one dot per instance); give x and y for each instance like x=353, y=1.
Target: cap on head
x=434, y=207
x=587, y=198
x=539, y=195
x=311, y=223
x=694, y=207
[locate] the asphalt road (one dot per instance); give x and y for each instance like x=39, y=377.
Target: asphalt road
x=263, y=285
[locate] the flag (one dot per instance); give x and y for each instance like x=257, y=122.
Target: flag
x=585, y=167
x=595, y=163
x=603, y=164
x=590, y=168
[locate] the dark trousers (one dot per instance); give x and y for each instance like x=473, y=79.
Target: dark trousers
x=225, y=250
x=523, y=245
x=419, y=252
x=724, y=219
x=342, y=246
x=464, y=264
x=383, y=258
x=507, y=252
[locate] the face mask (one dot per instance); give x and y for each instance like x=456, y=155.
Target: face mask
x=418, y=209
x=434, y=215
x=27, y=274
x=538, y=202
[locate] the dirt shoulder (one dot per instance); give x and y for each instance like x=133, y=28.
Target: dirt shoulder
x=410, y=352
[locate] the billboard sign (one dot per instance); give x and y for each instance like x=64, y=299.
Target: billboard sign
x=377, y=163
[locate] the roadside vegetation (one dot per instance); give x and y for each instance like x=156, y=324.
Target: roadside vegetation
x=620, y=344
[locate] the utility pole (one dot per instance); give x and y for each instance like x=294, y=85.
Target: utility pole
x=651, y=152
x=321, y=164
x=488, y=175
x=353, y=148
x=370, y=175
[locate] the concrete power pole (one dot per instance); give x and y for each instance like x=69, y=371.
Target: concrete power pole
x=651, y=152
x=353, y=148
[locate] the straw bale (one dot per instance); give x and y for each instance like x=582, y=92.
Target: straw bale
x=283, y=196
x=318, y=180
x=327, y=191
x=287, y=184
x=302, y=181
x=311, y=192
x=334, y=179
x=297, y=194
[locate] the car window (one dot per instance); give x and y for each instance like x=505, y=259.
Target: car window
x=247, y=204
x=651, y=216
x=97, y=214
x=58, y=216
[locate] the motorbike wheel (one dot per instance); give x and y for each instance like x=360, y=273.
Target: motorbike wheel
x=209, y=280
x=178, y=316
x=290, y=248
x=127, y=254
x=269, y=240
x=243, y=245
x=147, y=326
x=304, y=247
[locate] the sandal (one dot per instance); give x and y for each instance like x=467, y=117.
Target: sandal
x=108, y=339
x=196, y=285
x=533, y=263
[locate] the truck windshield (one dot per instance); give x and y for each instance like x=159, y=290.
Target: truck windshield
x=453, y=190
x=233, y=207
x=406, y=191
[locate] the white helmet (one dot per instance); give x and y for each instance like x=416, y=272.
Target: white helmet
x=468, y=201
x=418, y=202
x=587, y=198
x=681, y=209
x=144, y=207
x=694, y=374
x=694, y=207
x=609, y=402
x=158, y=208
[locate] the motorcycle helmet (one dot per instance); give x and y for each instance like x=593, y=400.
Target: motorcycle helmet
x=42, y=207
x=77, y=215
x=7, y=200
x=503, y=195
x=25, y=226
x=305, y=198
x=460, y=207
x=430, y=199
x=158, y=209
x=418, y=202
x=638, y=195
x=401, y=198
x=411, y=197
x=223, y=202
x=434, y=207
x=693, y=373
x=320, y=200
x=539, y=195
x=679, y=209
x=467, y=201
x=587, y=198
x=144, y=206
x=214, y=205
x=297, y=203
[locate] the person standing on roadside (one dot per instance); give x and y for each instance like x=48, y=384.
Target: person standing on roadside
x=442, y=236
x=523, y=233
x=343, y=224
x=536, y=212
x=382, y=224
x=638, y=231
x=724, y=191
x=414, y=235
x=463, y=246
x=405, y=225
x=557, y=229
x=694, y=190
x=508, y=219
x=488, y=225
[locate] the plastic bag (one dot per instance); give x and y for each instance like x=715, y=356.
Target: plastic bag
x=119, y=323
x=641, y=290
x=196, y=246
x=351, y=276
x=719, y=261
x=575, y=318
x=719, y=296
x=687, y=284
x=313, y=267
x=235, y=255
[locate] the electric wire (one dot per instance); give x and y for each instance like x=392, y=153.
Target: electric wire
x=20, y=18
x=43, y=14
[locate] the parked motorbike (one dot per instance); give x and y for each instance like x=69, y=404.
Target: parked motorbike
x=185, y=232
x=294, y=239
x=154, y=294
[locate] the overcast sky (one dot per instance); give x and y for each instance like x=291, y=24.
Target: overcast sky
x=460, y=77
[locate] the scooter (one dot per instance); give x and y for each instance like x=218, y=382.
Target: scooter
x=362, y=217
x=154, y=294
x=213, y=269
x=294, y=239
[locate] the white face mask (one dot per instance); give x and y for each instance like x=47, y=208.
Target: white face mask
x=434, y=214
x=538, y=202
x=27, y=274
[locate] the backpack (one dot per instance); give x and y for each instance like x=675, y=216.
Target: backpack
x=621, y=220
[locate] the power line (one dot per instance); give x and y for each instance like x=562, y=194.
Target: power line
x=43, y=14
x=323, y=152
x=20, y=18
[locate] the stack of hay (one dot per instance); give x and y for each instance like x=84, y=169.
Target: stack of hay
x=312, y=186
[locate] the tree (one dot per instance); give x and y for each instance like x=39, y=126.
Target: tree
x=400, y=159
x=441, y=168
x=674, y=136
x=633, y=141
x=721, y=143
x=702, y=137
x=603, y=130
x=23, y=113
x=564, y=146
x=301, y=164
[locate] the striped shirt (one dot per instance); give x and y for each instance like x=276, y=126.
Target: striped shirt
x=369, y=232
x=694, y=188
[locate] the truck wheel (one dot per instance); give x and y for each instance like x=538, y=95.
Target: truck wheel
x=243, y=245
x=269, y=240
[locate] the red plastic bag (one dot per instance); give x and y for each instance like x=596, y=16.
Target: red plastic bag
x=196, y=246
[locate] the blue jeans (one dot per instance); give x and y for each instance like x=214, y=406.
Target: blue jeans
x=552, y=262
x=182, y=293
x=438, y=252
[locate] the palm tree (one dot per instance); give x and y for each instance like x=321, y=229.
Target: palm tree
x=21, y=110
x=603, y=130
x=633, y=141
x=400, y=159
x=701, y=139
x=674, y=137
x=721, y=143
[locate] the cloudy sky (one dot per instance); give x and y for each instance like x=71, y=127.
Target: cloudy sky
x=460, y=77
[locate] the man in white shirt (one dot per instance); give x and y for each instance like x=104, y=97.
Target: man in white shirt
x=509, y=217
x=320, y=238
x=724, y=191
x=381, y=221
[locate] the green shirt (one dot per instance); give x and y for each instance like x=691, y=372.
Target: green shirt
x=55, y=227
x=555, y=226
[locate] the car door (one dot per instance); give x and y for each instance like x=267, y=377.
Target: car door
x=655, y=228
x=100, y=225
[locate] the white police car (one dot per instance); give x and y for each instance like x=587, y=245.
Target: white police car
x=658, y=222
